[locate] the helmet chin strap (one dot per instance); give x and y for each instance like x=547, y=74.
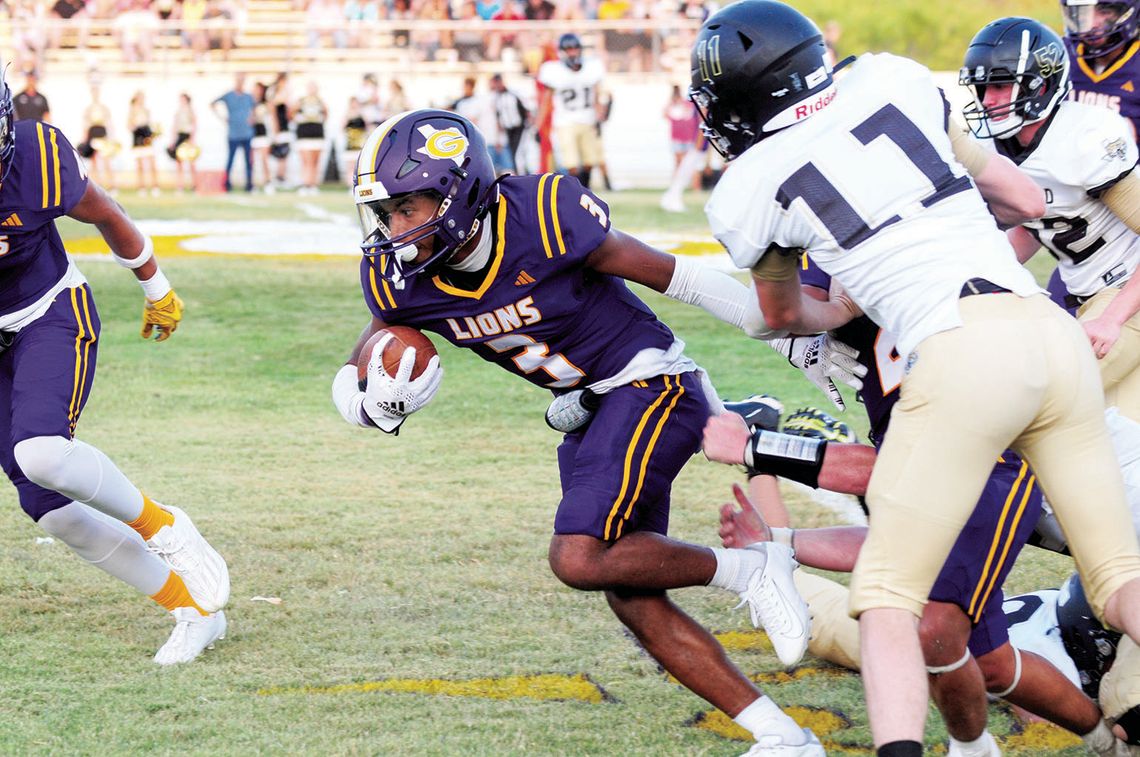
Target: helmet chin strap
x=479, y=255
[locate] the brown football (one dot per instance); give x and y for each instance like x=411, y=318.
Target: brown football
x=405, y=337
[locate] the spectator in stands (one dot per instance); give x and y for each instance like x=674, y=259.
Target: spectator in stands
x=194, y=34
x=401, y=10
x=310, y=117
x=98, y=147
x=74, y=12
x=134, y=31
x=539, y=10
x=219, y=22
x=469, y=42
x=282, y=109
x=184, y=150
x=323, y=19
x=363, y=17
x=428, y=42
x=142, y=143
x=30, y=103
x=238, y=115
x=262, y=118
x=29, y=32
x=832, y=31
x=512, y=116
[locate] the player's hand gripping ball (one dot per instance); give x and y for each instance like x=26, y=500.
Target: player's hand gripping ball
x=399, y=372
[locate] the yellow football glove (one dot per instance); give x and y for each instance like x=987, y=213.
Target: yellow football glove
x=162, y=317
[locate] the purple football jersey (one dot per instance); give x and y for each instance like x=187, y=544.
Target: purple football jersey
x=1114, y=88
x=538, y=311
x=877, y=354
x=45, y=182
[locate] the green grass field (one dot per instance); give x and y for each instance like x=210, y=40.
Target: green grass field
x=419, y=615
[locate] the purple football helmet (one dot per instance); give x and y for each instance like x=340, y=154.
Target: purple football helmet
x=7, y=135
x=433, y=152
x=1100, y=27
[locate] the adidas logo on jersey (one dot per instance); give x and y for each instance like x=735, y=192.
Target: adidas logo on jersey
x=12, y=220
x=523, y=279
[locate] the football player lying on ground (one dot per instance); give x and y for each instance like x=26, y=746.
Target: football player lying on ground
x=1060, y=643
x=49, y=331
x=1084, y=156
x=528, y=272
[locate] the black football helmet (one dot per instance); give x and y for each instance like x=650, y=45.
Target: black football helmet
x=758, y=66
x=1021, y=52
x=570, y=50
x=1090, y=645
x=7, y=135
x=1098, y=28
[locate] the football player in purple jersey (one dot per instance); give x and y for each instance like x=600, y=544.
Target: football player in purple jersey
x=1101, y=38
x=49, y=339
x=528, y=272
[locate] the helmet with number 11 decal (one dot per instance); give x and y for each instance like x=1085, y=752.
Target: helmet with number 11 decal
x=758, y=66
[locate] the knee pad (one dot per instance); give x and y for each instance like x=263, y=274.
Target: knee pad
x=43, y=459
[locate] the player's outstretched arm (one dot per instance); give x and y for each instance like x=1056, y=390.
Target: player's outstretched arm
x=1123, y=199
x=681, y=279
x=134, y=250
x=834, y=548
x=1013, y=197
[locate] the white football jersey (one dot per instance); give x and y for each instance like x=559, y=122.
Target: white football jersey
x=1033, y=628
x=574, y=91
x=869, y=186
x=1075, y=158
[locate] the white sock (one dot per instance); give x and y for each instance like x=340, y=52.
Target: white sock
x=108, y=544
x=983, y=746
x=764, y=718
x=735, y=566
x=1100, y=739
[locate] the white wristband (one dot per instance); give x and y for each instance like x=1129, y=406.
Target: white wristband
x=145, y=254
x=348, y=398
x=156, y=287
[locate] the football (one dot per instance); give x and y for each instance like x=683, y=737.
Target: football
x=404, y=337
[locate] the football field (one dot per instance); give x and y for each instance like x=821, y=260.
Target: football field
x=390, y=594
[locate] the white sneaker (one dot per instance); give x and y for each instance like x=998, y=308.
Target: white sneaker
x=774, y=746
x=671, y=204
x=199, y=565
x=776, y=606
x=193, y=633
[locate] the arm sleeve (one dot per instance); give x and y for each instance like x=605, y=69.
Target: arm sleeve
x=967, y=151
x=720, y=295
x=1123, y=199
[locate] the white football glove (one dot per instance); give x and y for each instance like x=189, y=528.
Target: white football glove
x=823, y=358
x=389, y=400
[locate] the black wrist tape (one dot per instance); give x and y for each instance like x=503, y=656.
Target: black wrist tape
x=793, y=457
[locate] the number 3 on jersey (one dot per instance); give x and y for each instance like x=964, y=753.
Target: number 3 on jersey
x=536, y=356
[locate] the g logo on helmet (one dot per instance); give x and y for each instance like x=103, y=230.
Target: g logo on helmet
x=443, y=144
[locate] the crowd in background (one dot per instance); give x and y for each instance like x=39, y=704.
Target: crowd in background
x=202, y=26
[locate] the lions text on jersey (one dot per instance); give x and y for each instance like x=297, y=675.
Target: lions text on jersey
x=1113, y=88
x=838, y=183
x=1078, y=155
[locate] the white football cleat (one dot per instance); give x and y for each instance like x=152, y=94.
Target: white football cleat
x=189, y=555
x=774, y=746
x=776, y=606
x=193, y=633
